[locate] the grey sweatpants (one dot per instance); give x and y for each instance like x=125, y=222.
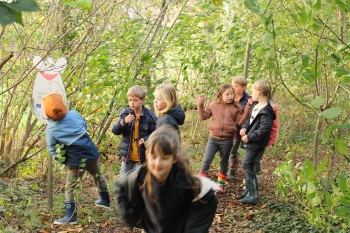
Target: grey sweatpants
x=214, y=145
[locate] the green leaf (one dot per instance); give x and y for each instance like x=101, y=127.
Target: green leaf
x=311, y=188
x=84, y=4
x=308, y=167
x=317, y=102
x=305, y=60
x=341, y=70
x=316, y=201
x=341, y=146
x=317, y=4
x=345, y=201
x=145, y=56
x=342, y=183
x=343, y=211
x=7, y=16
x=336, y=57
x=331, y=112
x=329, y=200
x=342, y=6
x=321, y=167
x=253, y=6
x=19, y=18
x=267, y=38
x=24, y=5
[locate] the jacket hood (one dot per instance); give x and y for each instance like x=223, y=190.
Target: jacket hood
x=178, y=113
x=54, y=107
x=267, y=110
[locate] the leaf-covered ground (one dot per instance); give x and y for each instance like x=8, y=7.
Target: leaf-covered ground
x=268, y=215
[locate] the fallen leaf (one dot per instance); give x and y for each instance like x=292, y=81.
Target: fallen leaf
x=263, y=206
x=232, y=204
x=43, y=231
x=106, y=224
x=246, y=216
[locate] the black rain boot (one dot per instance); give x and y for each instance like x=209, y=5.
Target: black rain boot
x=104, y=201
x=253, y=193
x=71, y=214
x=246, y=192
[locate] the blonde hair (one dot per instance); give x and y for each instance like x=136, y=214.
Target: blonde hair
x=221, y=89
x=240, y=80
x=136, y=91
x=263, y=86
x=168, y=94
x=165, y=141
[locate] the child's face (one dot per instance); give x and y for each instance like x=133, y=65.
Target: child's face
x=227, y=96
x=159, y=104
x=255, y=94
x=135, y=103
x=238, y=89
x=160, y=165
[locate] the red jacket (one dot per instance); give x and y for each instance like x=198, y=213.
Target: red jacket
x=274, y=130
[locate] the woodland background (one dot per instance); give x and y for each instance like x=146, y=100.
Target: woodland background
x=300, y=47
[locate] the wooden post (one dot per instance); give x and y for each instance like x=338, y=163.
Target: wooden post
x=49, y=180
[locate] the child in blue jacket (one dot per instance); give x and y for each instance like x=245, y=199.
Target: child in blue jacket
x=69, y=129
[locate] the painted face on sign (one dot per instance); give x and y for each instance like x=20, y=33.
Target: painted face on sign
x=48, y=80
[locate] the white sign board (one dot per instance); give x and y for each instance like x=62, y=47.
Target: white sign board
x=47, y=81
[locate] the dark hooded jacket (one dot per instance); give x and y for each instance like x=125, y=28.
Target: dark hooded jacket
x=174, y=117
x=259, y=130
x=146, y=127
x=176, y=209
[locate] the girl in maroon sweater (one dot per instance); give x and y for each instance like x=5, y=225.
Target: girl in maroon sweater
x=225, y=114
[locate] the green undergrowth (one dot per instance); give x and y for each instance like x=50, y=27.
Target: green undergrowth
x=279, y=216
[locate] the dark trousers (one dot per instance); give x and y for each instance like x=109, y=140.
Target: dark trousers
x=200, y=219
x=234, y=151
x=249, y=160
x=214, y=145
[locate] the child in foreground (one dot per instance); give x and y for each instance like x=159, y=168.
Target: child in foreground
x=163, y=195
x=226, y=114
x=255, y=134
x=68, y=128
x=135, y=124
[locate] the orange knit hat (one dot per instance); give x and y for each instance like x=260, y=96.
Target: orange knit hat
x=54, y=106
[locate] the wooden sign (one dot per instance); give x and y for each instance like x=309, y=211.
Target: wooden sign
x=47, y=81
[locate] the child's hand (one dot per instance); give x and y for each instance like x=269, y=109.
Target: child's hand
x=201, y=99
x=250, y=101
x=242, y=132
x=141, y=141
x=245, y=138
x=129, y=118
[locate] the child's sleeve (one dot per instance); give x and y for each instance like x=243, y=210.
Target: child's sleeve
x=204, y=113
x=128, y=198
x=119, y=127
x=202, y=210
x=51, y=143
x=274, y=130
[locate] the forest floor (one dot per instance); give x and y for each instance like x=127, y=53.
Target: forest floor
x=268, y=215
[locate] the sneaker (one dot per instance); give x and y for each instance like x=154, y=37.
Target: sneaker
x=221, y=191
